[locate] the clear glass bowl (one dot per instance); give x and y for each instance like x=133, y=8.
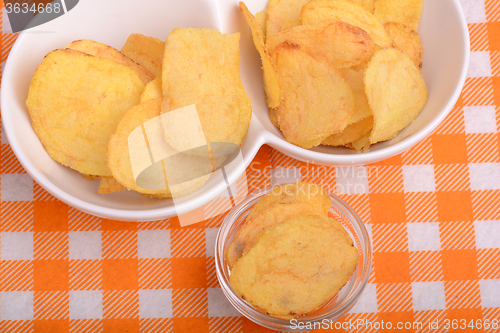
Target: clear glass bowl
x=329, y=312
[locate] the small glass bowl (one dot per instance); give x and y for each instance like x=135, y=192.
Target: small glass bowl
x=329, y=312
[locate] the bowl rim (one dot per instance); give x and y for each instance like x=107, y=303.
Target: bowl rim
x=283, y=324
x=260, y=137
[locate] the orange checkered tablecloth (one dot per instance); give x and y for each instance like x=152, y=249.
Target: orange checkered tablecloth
x=433, y=214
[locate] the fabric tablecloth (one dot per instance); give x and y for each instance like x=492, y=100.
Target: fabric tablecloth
x=433, y=214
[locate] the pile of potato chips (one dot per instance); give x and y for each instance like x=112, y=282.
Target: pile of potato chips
x=86, y=99
x=289, y=257
x=340, y=72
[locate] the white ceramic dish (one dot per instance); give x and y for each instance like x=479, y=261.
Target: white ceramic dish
x=445, y=40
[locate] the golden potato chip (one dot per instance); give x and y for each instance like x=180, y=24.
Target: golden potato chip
x=76, y=101
x=290, y=24
x=273, y=117
x=201, y=67
x=406, y=12
x=316, y=101
x=146, y=51
x=249, y=232
x=368, y=5
x=269, y=71
x=346, y=11
x=360, y=144
x=354, y=77
x=107, y=52
x=406, y=40
x=341, y=44
x=281, y=11
x=109, y=185
x=294, y=192
x=295, y=266
x=260, y=17
x=351, y=133
x=90, y=177
x=152, y=90
x=396, y=93
x=121, y=162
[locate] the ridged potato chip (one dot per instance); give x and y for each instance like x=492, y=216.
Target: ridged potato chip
x=146, y=51
x=351, y=133
x=269, y=71
x=316, y=101
x=396, y=93
x=406, y=40
x=341, y=44
x=295, y=266
x=201, y=67
x=281, y=11
x=406, y=12
x=346, y=11
x=76, y=101
x=107, y=52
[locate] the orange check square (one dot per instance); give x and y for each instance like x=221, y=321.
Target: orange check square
x=391, y=267
x=387, y=207
x=121, y=325
x=494, y=36
x=191, y=324
x=189, y=272
x=120, y=274
x=454, y=206
x=251, y=327
x=50, y=216
x=52, y=326
x=112, y=225
x=449, y=148
x=459, y=265
x=51, y=275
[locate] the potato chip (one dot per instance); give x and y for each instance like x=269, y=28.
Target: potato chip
x=281, y=11
x=360, y=144
x=346, y=11
x=341, y=44
x=368, y=5
x=120, y=159
x=316, y=101
x=269, y=71
x=201, y=67
x=273, y=117
x=146, y=51
x=250, y=231
x=406, y=40
x=152, y=90
x=107, y=52
x=294, y=192
x=295, y=266
x=396, y=92
x=260, y=17
x=351, y=133
x=290, y=24
x=406, y=12
x=76, y=101
x=109, y=185
x=354, y=77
